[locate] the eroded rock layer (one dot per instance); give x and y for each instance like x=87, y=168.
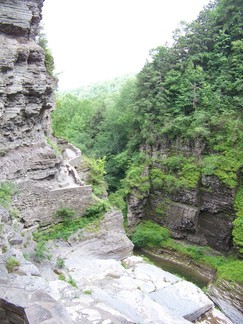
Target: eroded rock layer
x=202, y=214
x=43, y=176
x=26, y=94
x=26, y=89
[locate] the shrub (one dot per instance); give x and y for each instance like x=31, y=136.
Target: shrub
x=65, y=229
x=232, y=271
x=72, y=282
x=54, y=146
x=7, y=189
x=12, y=263
x=62, y=277
x=60, y=263
x=96, y=175
x=223, y=166
x=117, y=199
x=97, y=209
x=161, y=180
x=238, y=222
x=149, y=234
x=65, y=213
x=49, y=61
x=174, y=163
x=136, y=178
x=41, y=252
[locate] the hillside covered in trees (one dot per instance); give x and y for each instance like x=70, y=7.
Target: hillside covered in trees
x=173, y=135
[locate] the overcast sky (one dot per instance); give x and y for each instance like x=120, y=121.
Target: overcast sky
x=95, y=40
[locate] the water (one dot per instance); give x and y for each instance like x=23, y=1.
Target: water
x=176, y=269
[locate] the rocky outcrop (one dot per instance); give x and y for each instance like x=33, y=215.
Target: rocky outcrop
x=39, y=205
x=102, y=291
x=23, y=296
x=199, y=216
x=229, y=298
x=107, y=239
x=26, y=96
x=130, y=292
x=45, y=179
x=26, y=89
x=202, y=215
x=98, y=281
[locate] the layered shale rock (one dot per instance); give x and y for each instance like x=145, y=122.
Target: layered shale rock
x=202, y=215
x=229, y=297
x=45, y=179
x=26, y=89
x=26, y=95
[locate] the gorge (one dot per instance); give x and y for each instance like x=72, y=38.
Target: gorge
x=65, y=256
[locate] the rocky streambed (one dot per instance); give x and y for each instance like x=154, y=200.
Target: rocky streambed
x=98, y=282
x=226, y=295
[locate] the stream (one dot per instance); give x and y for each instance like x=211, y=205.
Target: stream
x=176, y=269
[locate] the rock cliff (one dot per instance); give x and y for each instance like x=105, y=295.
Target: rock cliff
x=202, y=214
x=26, y=89
x=45, y=179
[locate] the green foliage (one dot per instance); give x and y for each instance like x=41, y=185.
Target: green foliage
x=54, y=146
x=41, y=252
x=191, y=91
x=60, y=263
x=98, y=209
x=224, y=167
x=65, y=213
x=175, y=173
x=7, y=190
x=49, y=60
x=99, y=123
x=238, y=222
x=149, y=234
x=232, y=271
x=228, y=268
x=62, y=277
x=88, y=292
x=187, y=98
x=167, y=182
x=96, y=175
x=15, y=213
x=12, y=263
x=117, y=200
x=68, y=227
x=72, y=282
x=190, y=174
x=136, y=177
x=101, y=89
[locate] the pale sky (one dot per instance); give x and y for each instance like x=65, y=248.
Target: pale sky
x=97, y=40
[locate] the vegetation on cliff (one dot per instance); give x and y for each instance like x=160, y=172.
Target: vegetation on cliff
x=187, y=99
x=49, y=60
x=150, y=235
x=70, y=223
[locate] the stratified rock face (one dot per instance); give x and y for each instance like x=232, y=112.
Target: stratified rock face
x=44, y=178
x=26, y=91
x=108, y=240
x=202, y=215
x=229, y=298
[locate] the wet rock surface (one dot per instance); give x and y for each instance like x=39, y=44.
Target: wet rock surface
x=98, y=281
x=229, y=297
